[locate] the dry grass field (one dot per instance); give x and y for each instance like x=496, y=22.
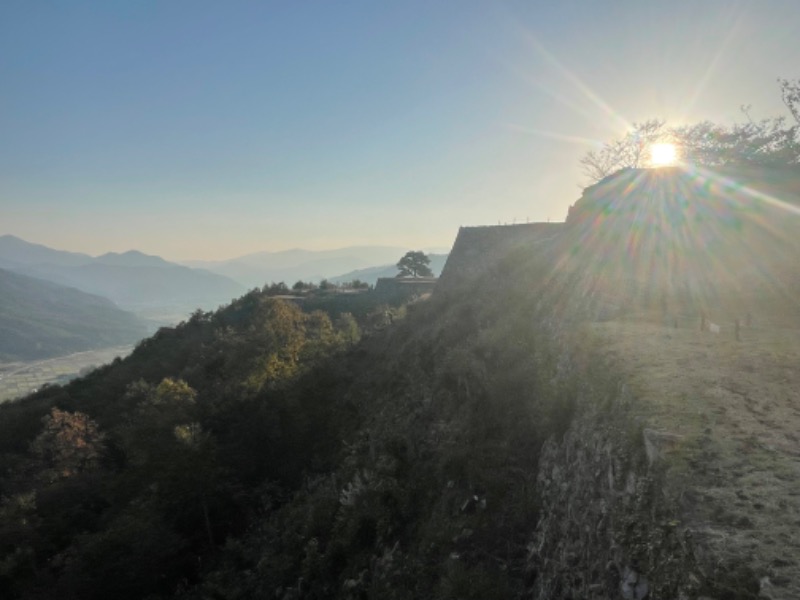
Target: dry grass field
x=733, y=411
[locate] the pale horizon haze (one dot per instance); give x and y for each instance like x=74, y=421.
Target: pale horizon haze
x=207, y=130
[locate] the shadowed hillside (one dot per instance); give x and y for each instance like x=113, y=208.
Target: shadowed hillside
x=39, y=319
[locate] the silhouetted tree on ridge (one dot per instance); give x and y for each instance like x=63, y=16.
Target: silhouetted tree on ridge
x=414, y=264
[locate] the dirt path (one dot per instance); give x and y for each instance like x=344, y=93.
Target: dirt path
x=737, y=406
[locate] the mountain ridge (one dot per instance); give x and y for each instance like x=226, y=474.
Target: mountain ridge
x=132, y=258
x=42, y=319
x=20, y=251
x=131, y=279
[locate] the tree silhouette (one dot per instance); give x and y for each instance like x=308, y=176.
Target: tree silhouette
x=628, y=151
x=764, y=142
x=790, y=93
x=414, y=264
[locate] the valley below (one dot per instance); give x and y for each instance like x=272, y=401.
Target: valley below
x=24, y=377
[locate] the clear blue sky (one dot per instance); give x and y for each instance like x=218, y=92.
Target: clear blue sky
x=207, y=130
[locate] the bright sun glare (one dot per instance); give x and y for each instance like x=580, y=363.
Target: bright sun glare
x=663, y=155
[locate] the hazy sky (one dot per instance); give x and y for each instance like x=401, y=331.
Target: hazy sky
x=206, y=130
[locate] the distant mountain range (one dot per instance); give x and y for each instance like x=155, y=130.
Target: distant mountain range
x=40, y=319
x=132, y=280
x=132, y=258
x=291, y=265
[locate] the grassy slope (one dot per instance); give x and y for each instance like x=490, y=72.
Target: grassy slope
x=663, y=248
x=735, y=406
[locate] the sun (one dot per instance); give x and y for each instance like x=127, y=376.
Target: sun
x=663, y=154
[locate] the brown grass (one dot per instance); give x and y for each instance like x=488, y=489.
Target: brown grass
x=736, y=470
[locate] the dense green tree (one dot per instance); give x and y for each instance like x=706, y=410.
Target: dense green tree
x=302, y=286
x=347, y=329
x=276, y=289
x=414, y=264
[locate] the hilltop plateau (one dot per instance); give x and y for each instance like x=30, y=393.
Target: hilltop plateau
x=559, y=420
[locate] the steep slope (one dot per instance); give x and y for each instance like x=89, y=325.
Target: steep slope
x=379, y=445
x=39, y=319
x=693, y=277
x=722, y=416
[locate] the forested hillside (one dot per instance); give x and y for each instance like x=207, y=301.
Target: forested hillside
x=40, y=319
x=259, y=446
